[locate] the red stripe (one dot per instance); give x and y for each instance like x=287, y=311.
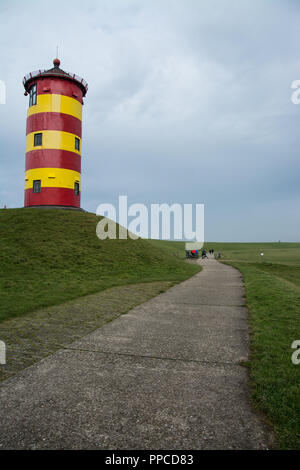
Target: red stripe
x=53, y=122
x=59, y=86
x=49, y=158
x=52, y=197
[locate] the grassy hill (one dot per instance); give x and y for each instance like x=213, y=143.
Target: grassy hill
x=275, y=253
x=48, y=257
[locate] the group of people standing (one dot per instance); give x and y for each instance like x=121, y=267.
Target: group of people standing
x=195, y=254
x=211, y=252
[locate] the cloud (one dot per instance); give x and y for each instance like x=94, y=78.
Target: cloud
x=187, y=102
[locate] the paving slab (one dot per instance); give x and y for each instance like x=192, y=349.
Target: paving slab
x=182, y=339
x=80, y=400
x=167, y=375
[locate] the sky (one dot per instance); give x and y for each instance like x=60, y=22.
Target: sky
x=189, y=102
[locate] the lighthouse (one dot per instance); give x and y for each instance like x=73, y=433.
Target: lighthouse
x=53, y=138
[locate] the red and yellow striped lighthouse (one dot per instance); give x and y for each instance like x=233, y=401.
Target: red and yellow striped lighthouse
x=53, y=137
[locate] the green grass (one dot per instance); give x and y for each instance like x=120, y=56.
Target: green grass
x=173, y=248
x=48, y=257
x=274, y=305
x=272, y=287
x=31, y=337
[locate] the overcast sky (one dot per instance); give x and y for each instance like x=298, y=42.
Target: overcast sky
x=189, y=101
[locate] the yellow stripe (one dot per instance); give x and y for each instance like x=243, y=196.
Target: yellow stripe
x=53, y=140
x=52, y=178
x=56, y=104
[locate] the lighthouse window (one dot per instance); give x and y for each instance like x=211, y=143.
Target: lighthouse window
x=38, y=139
x=76, y=189
x=32, y=95
x=37, y=186
x=77, y=144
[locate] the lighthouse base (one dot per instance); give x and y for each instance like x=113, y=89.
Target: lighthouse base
x=56, y=207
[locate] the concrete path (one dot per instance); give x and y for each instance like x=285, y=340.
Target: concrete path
x=164, y=376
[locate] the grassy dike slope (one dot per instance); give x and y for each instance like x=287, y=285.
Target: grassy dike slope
x=273, y=299
x=272, y=285
x=48, y=257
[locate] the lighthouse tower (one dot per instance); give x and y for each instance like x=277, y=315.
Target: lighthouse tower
x=53, y=137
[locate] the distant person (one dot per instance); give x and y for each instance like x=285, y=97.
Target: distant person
x=204, y=255
x=219, y=255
